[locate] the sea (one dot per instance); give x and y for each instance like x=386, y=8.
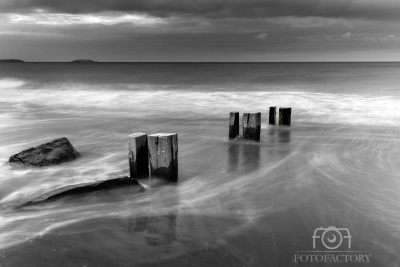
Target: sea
x=324, y=191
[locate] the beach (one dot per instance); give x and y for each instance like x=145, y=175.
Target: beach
x=236, y=202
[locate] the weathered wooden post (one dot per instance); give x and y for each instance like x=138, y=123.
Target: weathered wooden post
x=252, y=126
x=272, y=115
x=163, y=156
x=285, y=116
x=233, y=125
x=138, y=155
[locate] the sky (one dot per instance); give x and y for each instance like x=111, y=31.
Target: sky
x=200, y=30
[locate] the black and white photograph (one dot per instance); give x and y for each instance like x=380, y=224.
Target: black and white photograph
x=199, y=133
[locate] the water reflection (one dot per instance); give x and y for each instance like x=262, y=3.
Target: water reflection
x=160, y=225
x=233, y=156
x=251, y=157
x=283, y=141
x=279, y=134
x=161, y=230
x=246, y=155
x=272, y=131
x=278, y=140
x=162, y=220
x=138, y=225
x=284, y=135
x=243, y=156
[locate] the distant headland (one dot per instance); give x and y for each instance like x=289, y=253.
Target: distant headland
x=83, y=61
x=11, y=61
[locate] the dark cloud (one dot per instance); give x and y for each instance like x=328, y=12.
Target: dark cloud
x=367, y=9
x=202, y=30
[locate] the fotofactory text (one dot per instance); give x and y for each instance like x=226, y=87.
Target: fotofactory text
x=331, y=244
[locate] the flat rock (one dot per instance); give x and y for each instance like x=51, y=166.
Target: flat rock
x=82, y=188
x=54, y=152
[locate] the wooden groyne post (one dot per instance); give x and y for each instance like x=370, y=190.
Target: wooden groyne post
x=272, y=115
x=233, y=124
x=163, y=156
x=285, y=116
x=138, y=155
x=252, y=126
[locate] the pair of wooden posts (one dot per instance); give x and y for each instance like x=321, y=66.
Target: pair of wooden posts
x=154, y=156
x=252, y=122
x=251, y=125
x=284, y=116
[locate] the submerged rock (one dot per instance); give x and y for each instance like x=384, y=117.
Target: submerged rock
x=54, y=152
x=81, y=188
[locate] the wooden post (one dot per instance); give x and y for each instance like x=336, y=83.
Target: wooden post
x=233, y=125
x=163, y=156
x=138, y=155
x=252, y=126
x=285, y=116
x=272, y=115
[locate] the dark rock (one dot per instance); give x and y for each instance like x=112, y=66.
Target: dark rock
x=81, y=188
x=54, y=152
x=83, y=61
x=11, y=61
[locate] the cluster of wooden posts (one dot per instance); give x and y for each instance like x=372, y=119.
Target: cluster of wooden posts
x=252, y=122
x=154, y=156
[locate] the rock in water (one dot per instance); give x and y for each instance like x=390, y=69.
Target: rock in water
x=82, y=188
x=54, y=152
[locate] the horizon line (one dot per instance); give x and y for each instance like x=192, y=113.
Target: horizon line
x=22, y=61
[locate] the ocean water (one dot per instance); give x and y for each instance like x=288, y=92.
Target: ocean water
x=236, y=203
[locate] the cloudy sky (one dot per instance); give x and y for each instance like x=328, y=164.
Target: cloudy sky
x=200, y=30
